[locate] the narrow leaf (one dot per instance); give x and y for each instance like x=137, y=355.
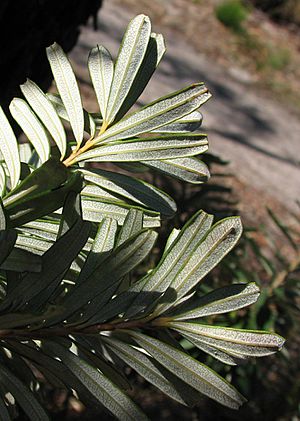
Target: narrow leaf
x=99, y=386
x=67, y=88
x=89, y=123
x=22, y=261
x=159, y=113
x=101, y=68
x=147, y=367
x=172, y=262
x=164, y=147
x=222, y=300
x=4, y=411
x=95, y=211
x=118, y=264
x=9, y=149
x=130, y=57
x=101, y=248
x=2, y=181
x=191, y=371
x=219, y=240
x=32, y=127
x=132, y=225
x=154, y=53
x=190, y=170
x=7, y=242
x=133, y=189
x=23, y=396
x=188, y=123
x=45, y=110
x=238, y=341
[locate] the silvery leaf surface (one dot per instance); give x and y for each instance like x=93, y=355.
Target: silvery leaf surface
x=130, y=57
x=45, y=110
x=32, y=127
x=68, y=89
x=195, y=374
x=9, y=149
x=164, y=147
x=101, y=68
x=190, y=169
x=163, y=111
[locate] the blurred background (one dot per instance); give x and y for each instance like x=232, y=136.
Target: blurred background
x=248, y=54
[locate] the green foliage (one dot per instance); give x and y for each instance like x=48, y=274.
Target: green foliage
x=72, y=307
x=232, y=13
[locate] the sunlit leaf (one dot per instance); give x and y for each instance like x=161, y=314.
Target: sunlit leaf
x=173, y=262
x=164, y=147
x=190, y=170
x=130, y=57
x=68, y=89
x=45, y=110
x=9, y=149
x=159, y=113
x=133, y=189
x=188, y=123
x=32, y=127
x=101, y=68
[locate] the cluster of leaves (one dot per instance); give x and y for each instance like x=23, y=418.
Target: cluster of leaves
x=71, y=237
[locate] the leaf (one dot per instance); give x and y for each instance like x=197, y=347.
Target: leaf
x=68, y=89
x=103, y=244
x=44, y=203
x=31, y=126
x=96, y=359
x=148, y=368
x=164, y=147
x=106, y=277
x=33, y=244
x=97, y=210
x=7, y=242
x=45, y=110
x=2, y=180
x=190, y=371
x=132, y=225
x=47, y=177
x=24, y=397
x=25, y=152
x=89, y=123
x=133, y=189
x=190, y=170
x=99, y=386
x=22, y=261
x=3, y=410
x=154, y=53
x=240, y=343
x=130, y=57
x=218, y=241
x=36, y=288
x=44, y=228
x=188, y=123
x=159, y=113
x=221, y=300
x=2, y=217
x=172, y=263
x=101, y=68
x=9, y=149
